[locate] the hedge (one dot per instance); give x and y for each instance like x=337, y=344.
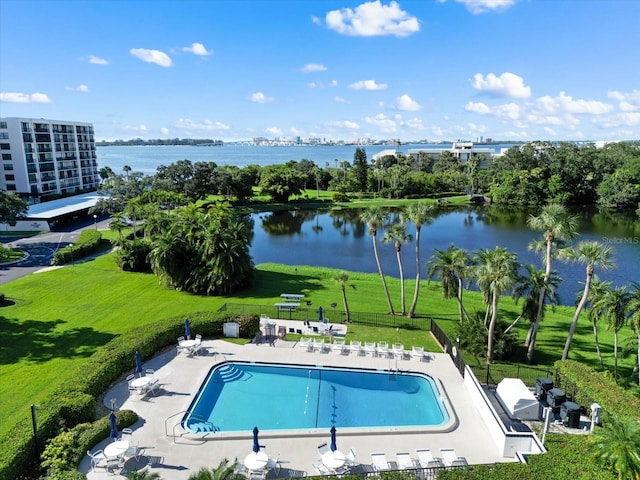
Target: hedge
x=74, y=401
x=89, y=242
x=587, y=386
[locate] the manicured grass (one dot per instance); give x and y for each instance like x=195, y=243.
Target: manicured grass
x=58, y=318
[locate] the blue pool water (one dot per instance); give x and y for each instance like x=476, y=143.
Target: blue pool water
x=237, y=396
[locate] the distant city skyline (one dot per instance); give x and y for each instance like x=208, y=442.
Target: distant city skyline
x=514, y=70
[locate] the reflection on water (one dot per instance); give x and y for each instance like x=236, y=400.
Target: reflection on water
x=338, y=239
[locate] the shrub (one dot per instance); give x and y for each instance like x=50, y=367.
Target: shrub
x=473, y=338
x=133, y=256
x=340, y=197
x=90, y=241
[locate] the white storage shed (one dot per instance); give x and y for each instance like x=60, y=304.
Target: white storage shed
x=518, y=400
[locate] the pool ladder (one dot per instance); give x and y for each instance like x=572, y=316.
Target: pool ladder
x=173, y=428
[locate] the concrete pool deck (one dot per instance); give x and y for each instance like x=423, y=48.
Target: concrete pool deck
x=180, y=377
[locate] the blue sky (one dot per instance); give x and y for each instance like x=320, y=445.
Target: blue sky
x=408, y=69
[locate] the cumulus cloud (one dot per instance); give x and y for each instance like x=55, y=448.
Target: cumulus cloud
x=164, y=131
x=338, y=99
x=372, y=19
x=483, y=6
x=136, y=128
x=414, y=123
x=343, y=124
x=627, y=101
x=18, y=97
x=564, y=103
x=313, y=67
x=506, y=85
x=384, y=123
x=204, y=126
x=368, y=85
x=97, y=60
x=273, y=131
x=80, y=88
x=260, y=97
x=152, y=56
x=510, y=111
x=331, y=84
x=198, y=49
x=623, y=119
x=406, y=103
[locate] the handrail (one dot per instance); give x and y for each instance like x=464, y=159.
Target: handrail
x=169, y=418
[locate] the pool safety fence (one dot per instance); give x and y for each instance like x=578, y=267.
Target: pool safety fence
x=368, y=472
x=310, y=314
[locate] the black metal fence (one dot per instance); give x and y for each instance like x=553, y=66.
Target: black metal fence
x=494, y=373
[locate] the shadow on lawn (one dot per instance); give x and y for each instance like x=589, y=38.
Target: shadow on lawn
x=39, y=341
x=269, y=284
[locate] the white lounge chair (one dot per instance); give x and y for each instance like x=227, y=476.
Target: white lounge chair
x=382, y=349
x=318, y=344
x=337, y=345
x=398, y=350
x=449, y=457
x=427, y=460
x=379, y=461
x=417, y=352
x=404, y=461
x=304, y=342
x=356, y=347
x=98, y=459
x=370, y=347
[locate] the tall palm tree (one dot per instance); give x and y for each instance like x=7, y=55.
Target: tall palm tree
x=617, y=444
x=634, y=317
x=593, y=254
x=224, y=471
x=341, y=279
x=452, y=266
x=529, y=288
x=375, y=217
x=598, y=289
x=419, y=214
x=612, y=306
x=558, y=226
x=497, y=270
x=397, y=234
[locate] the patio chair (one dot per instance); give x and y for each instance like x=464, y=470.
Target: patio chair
x=321, y=469
x=126, y=434
x=427, y=460
x=129, y=380
x=133, y=451
x=370, y=347
x=181, y=339
x=304, y=342
x=379, y=461
x=114, y=463
x=382, y=349
x=337, y=345
x=404, y=461
x=417, y=352
x=351, y=456
x=257, y=474
x=153, y=386
x=356, y=346
x=398, y=350
x=322, y=449
x=274, y=464
x=98, y=459
x=448, y=456
x=150, y=372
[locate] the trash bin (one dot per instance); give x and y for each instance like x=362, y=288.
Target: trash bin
x=543, y=385
x=555, y=398
x=570, y=414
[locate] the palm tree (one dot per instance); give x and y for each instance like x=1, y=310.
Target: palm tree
x=375, y=217
x=617, y=444
x=529, y=288
x=342, y=278
x=224, y=471
x=497, y=270
x=598, y=289
x=594, y=255
x=397, y=234
x=558, y=226
x=612, y=306
x=143, y=475
x=452, y=265
x=634, y=317
x=419, y=214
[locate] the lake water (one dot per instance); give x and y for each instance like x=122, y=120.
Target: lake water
x=337, y=239
x=146, y=159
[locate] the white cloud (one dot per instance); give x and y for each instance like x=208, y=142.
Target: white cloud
x=273, y=131
x=510, y=111
x=566, y=104
x=478, y=107
x=198, y=49
x=406, y=103
x=260, y=97
x=340, y=100
x=333, y=83
x=368, y=85
x=628, y=101
x=18, y=97
x=139, y=129
x=482, y=6
x=343, y=124
x=372, y=19
x=97, y=60
x=414, y=123
x=204, y=126
x=313, y=67
x=623, y=119
x=164, y=131
x=152, y=56
x=384, y=123
x=80, y=88
x=506, y=85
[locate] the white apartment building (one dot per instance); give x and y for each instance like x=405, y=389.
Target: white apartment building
x=461, y=150
x=42, y=157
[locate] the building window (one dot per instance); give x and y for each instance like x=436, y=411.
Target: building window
x=10, y=178
x=7, y=166
x=4, y=136
x=5, y=146
x=6, y=156
x=3, y=124
x=11, y=187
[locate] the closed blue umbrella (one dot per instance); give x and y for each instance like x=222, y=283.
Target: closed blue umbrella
x=187, y=329
x=320, y=314
x=333, y=439
x=138, y=363
x=114, y=425
x=256, y=444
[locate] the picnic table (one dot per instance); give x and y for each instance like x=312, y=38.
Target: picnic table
x=287, y=307
x=292, y=297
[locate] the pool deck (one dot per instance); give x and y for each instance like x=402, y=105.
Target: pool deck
x=180, y=377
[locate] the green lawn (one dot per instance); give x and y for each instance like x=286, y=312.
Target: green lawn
x=55, y=320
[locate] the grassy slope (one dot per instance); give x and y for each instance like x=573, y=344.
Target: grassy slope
x=62, y=316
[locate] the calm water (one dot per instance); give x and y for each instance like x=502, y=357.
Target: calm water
x=337, y=239
x=238, y=396
x=146, y=159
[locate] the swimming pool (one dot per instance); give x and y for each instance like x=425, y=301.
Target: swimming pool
x=236, y=396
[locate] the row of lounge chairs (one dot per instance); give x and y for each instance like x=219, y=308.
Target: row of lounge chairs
x=379, y=349
x=425, y=459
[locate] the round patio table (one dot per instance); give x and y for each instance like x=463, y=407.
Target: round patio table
x=116, y=449
x=333, y=460
x=256, y=461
